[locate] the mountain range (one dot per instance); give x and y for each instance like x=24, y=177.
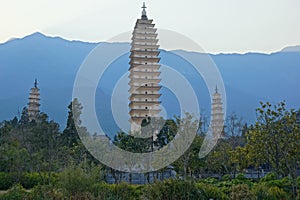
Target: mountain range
x=249, y=78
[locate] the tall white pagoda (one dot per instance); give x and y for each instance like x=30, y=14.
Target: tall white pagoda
x=144, y=72
x=217, y=123
x=34, y=102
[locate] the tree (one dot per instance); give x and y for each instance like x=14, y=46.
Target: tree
x=132, y=144
x=187, y=126
x=166, y=134
x=274, y=140
x=218, y=161
x=234, y=125
x=72, y=146
x=70, y=135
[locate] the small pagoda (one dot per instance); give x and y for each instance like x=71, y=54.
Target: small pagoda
x=34, y=99
x=217, y=122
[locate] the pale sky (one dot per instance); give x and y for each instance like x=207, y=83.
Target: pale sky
x=216, y=25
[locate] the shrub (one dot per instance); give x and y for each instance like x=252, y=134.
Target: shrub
x=29, y=180
x=269, y=177
x=226, y=177
x=101, y=190
x=210, y=180
x=6, y=181
x=116, y=191
x=172, y=189
x=241, y=177
x=45, y=192
x=16, y=192
x=275, y=193
x=298, y=196
x=75, y=180
x=211, y=192
x=284, y=183
x=125, y=191
x=264, y=192
x=261, y=191
x=241, y=192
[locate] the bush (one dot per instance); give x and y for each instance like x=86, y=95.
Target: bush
x=284, y=183
x=269, y=177
x=226, y=177
x=241, y=177
x=16, y=192
x=125, y=191
x=116, y=191
x=263, y=192
x=275, y=193
x=226, y=186
x=6, y=181
x=101, y=190
x=27, y=180
x=172, y=189
x=241, y=192
x=76, y=180
x=211, y=192
x=210, y=180
x=298, y=196
x=45, y=192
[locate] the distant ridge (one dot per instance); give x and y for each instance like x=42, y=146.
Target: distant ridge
x=291, y=49
x=54, y=61
x=37, y=34
x=42, y=35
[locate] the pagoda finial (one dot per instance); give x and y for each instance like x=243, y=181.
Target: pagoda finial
x=216, y=89
x=144, y=14
x=35, y=83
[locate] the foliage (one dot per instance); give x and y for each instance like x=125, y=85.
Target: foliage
x=274, y=140
x=17, y=192
x=45, y=192
x=27, y=180
x=30, y=180
x=283, y=183
x=6, y=181
x=36, y=154
x=89, y=188
x=211, y=192
x=119, y=191
x=172, y=189
x=70, y=136
x=78, y=179
x=241, y=192
x=264, y=192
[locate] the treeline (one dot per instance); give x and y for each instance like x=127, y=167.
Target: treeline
x=39, y=147
x=38, y=151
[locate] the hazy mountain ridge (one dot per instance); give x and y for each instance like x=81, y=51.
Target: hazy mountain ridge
x=292, y=49
x=249, y=77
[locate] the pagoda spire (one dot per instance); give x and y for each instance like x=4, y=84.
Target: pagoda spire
x=35, y=83
x=216, y=90
x=144, y=13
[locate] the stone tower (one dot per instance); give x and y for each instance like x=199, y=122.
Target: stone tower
x=217, y=123
x=144, y=72
x=34, y=99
